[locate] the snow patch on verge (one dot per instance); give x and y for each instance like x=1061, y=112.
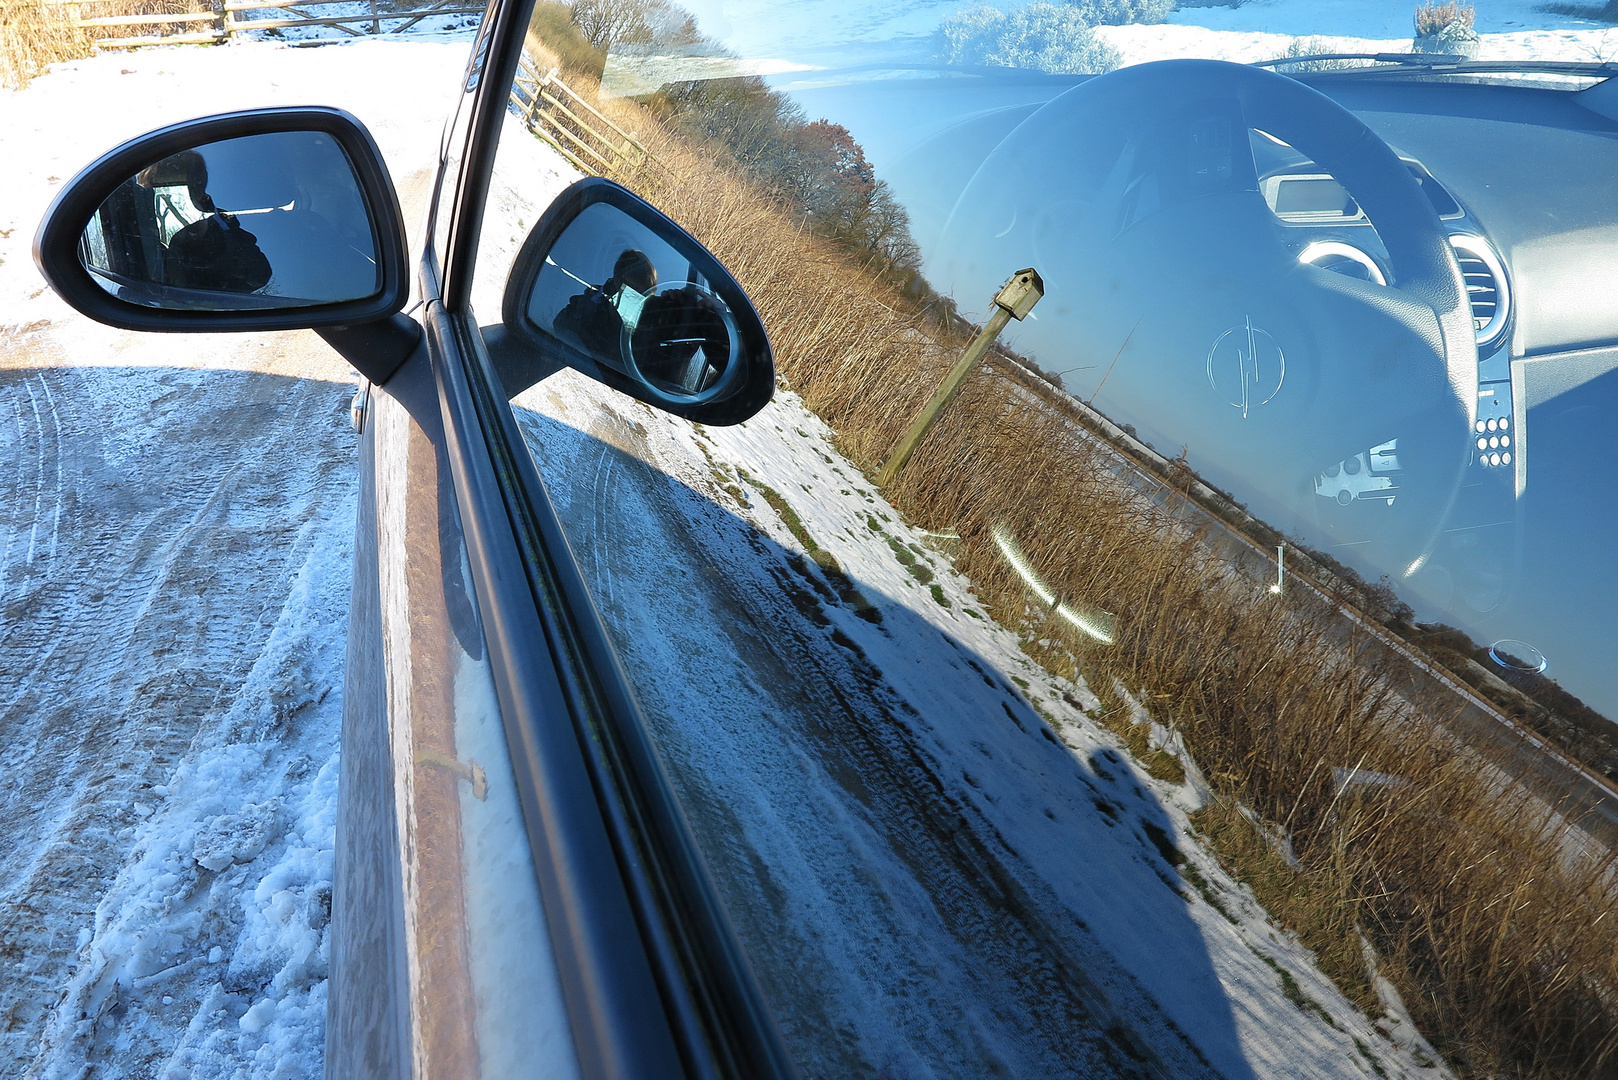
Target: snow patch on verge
x=222, y=910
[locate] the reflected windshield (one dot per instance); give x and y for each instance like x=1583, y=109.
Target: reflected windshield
x=1437, y=495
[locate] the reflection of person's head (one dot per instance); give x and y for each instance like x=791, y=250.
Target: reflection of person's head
x=186, y=169
x=213, y=252
x=635, y=270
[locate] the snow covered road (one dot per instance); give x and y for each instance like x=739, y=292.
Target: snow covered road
x=172, y=659
x=176, y=522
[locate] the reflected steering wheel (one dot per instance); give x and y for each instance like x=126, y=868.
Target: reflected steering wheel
x=1177, y=296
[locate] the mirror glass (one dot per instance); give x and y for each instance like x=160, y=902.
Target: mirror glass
x=262, y=221
x=627, y=298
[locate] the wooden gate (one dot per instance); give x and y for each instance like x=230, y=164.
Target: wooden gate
x=299, y=12
x=223, y=20
x=575, y=128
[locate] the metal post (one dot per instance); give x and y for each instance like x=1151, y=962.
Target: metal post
x=1015, y=300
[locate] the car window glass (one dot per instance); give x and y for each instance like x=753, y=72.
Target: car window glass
x=1316, y=336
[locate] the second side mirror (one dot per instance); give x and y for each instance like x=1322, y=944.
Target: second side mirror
x=271, y=219
x=608, y=285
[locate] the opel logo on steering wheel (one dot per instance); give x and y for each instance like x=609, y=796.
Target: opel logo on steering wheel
x=1246, y=366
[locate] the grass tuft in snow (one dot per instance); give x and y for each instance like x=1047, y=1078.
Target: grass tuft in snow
x=1292, y=991
x=1309, y=903
x=1436, y=18
x=846, y=590
x=1120, y=718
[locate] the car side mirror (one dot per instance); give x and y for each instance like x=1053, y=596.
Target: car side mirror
x=609, y=286
x=269, y=219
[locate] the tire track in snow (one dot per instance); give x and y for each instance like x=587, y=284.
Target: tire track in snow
x=56, y=438
x=166, y=511
x=925, y=854
x=40, y=442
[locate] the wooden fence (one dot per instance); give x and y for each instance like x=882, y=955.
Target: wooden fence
x=551, y=109
x=573, y=127
x=225, y=18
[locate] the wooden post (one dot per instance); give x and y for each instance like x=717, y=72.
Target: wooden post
x=1015, y=300
x=531, y=113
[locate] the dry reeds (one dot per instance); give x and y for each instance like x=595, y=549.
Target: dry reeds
x=1488, y=907
x=1434, y=18
x=33, y=36
x=37, y=33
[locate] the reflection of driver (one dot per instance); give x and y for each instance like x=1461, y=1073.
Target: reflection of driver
x=213, y=252
x=598, y=317
x=682, y=338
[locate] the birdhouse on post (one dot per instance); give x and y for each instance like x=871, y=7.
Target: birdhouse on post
x=1015, y=300
x=1021, y=293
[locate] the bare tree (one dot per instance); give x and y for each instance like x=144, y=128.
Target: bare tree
x=610, y=25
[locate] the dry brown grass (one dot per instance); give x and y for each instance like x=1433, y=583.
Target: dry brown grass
x=1432, y=18
x=37, y=33
x=33, y=36
x=1488, y=913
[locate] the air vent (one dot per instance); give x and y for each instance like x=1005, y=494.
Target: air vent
x=1486, y=287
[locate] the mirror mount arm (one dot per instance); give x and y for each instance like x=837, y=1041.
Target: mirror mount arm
x=516, y=361
x=376, y=349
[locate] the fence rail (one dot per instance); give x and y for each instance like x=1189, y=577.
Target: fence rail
x=226, y=19
x=574, y=128
x=376, y=17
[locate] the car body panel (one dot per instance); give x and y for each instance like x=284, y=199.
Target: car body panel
x=443, y=966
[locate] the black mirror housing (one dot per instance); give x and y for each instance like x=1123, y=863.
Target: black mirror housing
x=59, y=243
x=684, y=336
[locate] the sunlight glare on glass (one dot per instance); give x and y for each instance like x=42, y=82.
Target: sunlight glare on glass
x=1098, y=624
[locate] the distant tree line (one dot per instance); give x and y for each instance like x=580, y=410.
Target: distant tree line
x=814, y=167
x=616, y=25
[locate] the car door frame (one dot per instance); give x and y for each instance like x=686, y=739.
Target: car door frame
x=654, y=980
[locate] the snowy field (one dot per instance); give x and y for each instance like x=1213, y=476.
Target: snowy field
x=176, y=515
x=833, y=32
x=1260, y=31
